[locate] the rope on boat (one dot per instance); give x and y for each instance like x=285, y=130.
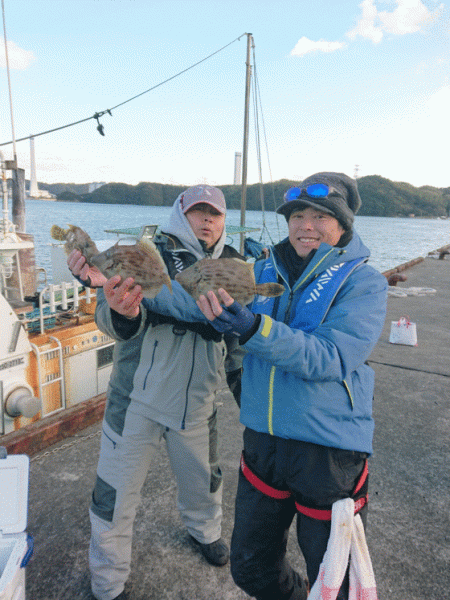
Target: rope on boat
x=99, y=114
x=259, y=111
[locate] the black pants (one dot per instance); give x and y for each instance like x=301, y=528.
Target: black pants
x=314, y=474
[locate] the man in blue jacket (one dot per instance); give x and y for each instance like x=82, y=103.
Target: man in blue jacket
x=306, y=388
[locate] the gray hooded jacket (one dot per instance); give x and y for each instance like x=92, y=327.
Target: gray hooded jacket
x=170, y=372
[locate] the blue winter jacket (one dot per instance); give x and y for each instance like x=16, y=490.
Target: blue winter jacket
x=316, y=386
x=311, y=386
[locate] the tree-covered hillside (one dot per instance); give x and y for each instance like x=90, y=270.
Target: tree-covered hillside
x=380, y=196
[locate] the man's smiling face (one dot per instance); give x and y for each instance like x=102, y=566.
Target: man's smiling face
x=308, y=228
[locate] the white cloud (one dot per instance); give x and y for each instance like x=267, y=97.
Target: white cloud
x=305, y=46
x=366, y=25
x=18, y=58
x=408, y=17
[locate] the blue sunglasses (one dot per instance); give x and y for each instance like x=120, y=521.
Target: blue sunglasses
x=315, y=190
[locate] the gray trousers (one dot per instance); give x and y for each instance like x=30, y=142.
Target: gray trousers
x=122, y=469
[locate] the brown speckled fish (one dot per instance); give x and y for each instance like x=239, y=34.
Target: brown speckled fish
x=76, y=239
x=141, y=261
x=232, y=274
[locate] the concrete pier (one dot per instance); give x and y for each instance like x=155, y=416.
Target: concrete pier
x=409, y=519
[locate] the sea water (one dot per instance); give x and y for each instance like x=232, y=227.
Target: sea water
x=392, y=241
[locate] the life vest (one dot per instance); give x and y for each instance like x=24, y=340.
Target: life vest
x=314, y=301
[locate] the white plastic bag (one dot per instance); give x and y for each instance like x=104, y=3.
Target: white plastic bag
x=404, y=332
x=347, y=541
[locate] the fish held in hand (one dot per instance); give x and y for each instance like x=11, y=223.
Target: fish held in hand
x=232, y=274
x=141, y=261
x=76, y=239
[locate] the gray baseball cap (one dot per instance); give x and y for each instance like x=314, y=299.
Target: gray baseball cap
x=203, y=194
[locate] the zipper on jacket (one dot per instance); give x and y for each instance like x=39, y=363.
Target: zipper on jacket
x=349, y=393
x=151, y=364
x=300, y=283
x=286, y=320
x=270, y=412
x=183, y=422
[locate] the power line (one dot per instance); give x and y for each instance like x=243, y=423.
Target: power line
x=99, y=114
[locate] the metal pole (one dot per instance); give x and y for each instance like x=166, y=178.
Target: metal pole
x=245, y=147
x=9, y=83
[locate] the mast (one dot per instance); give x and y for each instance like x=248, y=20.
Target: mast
x=245, y=146
x=9, y=82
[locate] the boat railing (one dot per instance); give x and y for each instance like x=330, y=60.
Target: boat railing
x=55, y=300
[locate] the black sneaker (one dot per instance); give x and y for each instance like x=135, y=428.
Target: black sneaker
x=216, y=553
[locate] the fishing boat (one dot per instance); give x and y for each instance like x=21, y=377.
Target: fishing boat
x=55, y=363
x=52, y=355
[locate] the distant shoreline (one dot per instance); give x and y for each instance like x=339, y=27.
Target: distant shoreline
x=380, y=197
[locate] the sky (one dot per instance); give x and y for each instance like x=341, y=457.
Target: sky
x=354, y=87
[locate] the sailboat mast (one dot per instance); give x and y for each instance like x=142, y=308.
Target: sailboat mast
x=245, y=146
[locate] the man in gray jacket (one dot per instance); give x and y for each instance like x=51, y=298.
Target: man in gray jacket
x=165, y=378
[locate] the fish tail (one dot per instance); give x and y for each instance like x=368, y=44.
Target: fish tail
x=168, y=282
x=270, y=290
x=58, y=233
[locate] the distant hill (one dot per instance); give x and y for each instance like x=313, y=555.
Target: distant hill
x=380, y=196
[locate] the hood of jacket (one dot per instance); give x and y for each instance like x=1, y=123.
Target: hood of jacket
x=180, y=227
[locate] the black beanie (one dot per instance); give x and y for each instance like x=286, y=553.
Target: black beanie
x=342, y=204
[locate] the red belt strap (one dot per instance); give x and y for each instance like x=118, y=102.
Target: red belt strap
x=314, y=513
x=259, y=484
x=325, y=515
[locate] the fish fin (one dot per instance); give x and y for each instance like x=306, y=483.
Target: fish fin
x=270, y=290
x=147, y=245
x=243, y=262
x=58, y=233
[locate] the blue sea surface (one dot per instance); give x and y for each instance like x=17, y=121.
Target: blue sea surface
x=392, y=241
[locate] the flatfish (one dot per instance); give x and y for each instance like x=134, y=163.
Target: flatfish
x=76, y=239
x=141, y=261
x=232, y=274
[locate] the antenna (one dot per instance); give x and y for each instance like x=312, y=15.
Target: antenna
x=9, y=84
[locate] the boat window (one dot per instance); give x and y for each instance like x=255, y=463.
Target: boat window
x=105, y=356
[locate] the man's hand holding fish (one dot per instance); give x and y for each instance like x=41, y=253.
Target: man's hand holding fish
x=231, y=318
x=80, y=268
x=124, y=297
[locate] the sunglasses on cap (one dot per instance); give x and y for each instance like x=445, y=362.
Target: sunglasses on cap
x=315, y=190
